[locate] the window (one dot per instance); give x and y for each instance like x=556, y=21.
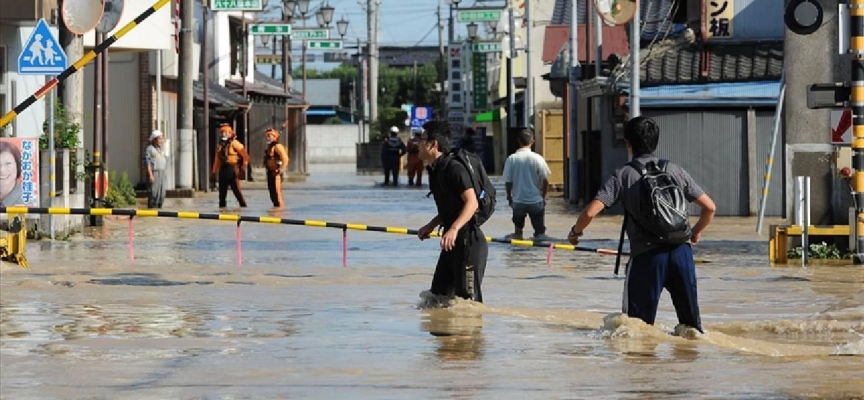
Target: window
x=236, y=46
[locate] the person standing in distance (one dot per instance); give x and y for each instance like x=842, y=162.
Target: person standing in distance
x=653, y=265
x=154, y=159
x=526, y=181
x=392, y=151
x=275, y=162
x=231, y=155
x=462, y=262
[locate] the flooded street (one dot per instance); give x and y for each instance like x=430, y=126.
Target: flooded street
x=186, y=321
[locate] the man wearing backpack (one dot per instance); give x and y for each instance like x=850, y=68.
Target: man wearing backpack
x=465, y=199
x=655, y=204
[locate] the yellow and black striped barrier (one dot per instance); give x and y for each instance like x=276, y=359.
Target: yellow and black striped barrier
x=6, y=119
x=238, y=219
x=126, y=212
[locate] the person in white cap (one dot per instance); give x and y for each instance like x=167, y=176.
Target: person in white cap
x=391, y=152
x=154, y=158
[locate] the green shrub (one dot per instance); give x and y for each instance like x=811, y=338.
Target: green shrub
x=820, y=251
x=121, y=193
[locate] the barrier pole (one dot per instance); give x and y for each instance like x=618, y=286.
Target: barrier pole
x=345, y=247
x=131, y=241
x=286, y=221
x=239, y=246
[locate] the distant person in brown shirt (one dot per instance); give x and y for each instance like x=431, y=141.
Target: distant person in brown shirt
x=230, y=157
x=276, y=162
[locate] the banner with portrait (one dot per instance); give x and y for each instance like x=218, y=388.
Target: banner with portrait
x=19, y=172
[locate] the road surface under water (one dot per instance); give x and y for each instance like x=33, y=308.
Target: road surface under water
x=185, y=321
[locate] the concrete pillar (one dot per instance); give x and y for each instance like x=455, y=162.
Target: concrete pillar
x=811, y=59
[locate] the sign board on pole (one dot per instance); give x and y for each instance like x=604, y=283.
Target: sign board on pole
x=454, y=77
x=479, y=15
x=270, y=29
x=841, y=126
x=237, y=5
x=307, y=33
x=42, y=53
x=486, y=47
x=481, y=85
x=419, y=116
x=324, y=45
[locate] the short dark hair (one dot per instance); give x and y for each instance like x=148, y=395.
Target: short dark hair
x=7, y=147
x=525, y=137
x=642, y=134
x=440, y=131
x=469, y=132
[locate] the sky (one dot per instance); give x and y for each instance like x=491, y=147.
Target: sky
x=402, y=23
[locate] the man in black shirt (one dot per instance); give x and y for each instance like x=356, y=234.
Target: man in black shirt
x=462, y=262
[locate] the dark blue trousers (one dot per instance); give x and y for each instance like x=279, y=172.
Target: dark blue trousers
x=649, y=273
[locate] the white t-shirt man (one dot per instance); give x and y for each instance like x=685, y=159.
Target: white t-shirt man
x=526, y=171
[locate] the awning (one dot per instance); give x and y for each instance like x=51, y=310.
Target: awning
x=760, y=93
x=220, y=96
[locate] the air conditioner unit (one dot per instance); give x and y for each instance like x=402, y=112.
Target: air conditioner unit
x=171, y=62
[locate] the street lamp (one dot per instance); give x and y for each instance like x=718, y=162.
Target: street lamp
x=472, y=31
x=327, y=13
x=319, y=16
x=288, y=7
x=454, y=3
x=303, y=7
x=342, y=26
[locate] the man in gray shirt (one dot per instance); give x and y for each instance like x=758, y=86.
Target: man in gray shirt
x=154, y=158
x=653, y=266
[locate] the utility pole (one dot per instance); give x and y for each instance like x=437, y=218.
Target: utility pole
x=72, y=87
x=105, y=58
x=573, y=109
x=204, y=180
x=286, y=63
x=361, y=92
x=372, y=25
x=635, y=69
x=95, y=200
x=529, y=78
x=856, y=40
x=184, y=95
x=243, y=73
x=442, y=68
x=511, y=85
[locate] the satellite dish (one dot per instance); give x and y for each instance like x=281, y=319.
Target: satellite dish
x=111, y=16
x=81, y=16
x=616, y=12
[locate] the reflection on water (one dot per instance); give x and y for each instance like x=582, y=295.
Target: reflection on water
x=187, y=322
x=457, y=332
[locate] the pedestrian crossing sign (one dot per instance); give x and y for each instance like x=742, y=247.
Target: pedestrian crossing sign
x=42, y=53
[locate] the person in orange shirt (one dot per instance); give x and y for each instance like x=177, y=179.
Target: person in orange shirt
x=415, y=164
x=230, y=157
x=276, y=162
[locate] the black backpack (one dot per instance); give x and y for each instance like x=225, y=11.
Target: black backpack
x=661, y=211
x=486, y=196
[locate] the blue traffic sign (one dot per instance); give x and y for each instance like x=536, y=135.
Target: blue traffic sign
x=419, y=116
x=42, y=53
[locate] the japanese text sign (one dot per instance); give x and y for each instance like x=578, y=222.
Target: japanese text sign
x=718, y=19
